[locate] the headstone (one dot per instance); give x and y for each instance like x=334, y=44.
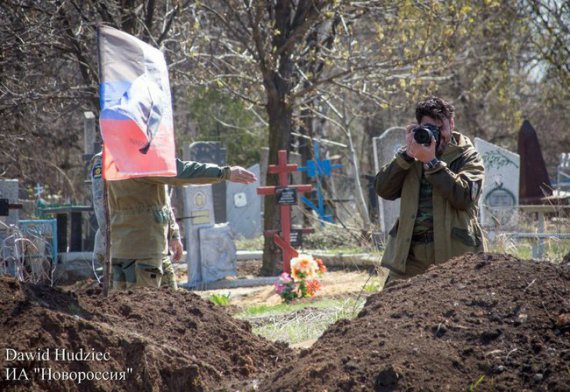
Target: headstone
x=9, y=195
x=211, y=152
x=385, y=147
x=198, y=214
x=534, y=180
x=564, y=171
x=89, y=135
x=9, y=190
x=218, y=253
x=499, y=198
x=243, y=207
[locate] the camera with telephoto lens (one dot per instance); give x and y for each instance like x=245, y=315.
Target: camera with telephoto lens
x=423, y=134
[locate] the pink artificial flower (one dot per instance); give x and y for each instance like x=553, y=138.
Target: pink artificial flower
x=279, y=288
x=285, y=278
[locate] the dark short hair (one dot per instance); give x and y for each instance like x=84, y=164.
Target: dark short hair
x=434, y=107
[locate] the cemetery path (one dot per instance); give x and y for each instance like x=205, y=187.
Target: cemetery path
x=478, y=322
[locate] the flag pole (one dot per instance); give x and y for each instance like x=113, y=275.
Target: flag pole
x=107, y=265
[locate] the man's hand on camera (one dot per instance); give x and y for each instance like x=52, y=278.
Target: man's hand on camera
x=241, y=175
x=416, y=150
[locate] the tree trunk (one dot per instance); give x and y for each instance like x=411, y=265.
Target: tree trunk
x=280, y=116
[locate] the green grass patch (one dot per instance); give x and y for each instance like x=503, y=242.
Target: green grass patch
x=220, y=299
x=299, y=321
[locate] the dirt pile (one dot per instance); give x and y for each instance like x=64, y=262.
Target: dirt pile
x=483, y=322
x=138, y=340
x=480, y=322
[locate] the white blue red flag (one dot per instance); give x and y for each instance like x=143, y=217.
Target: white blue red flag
x=136, y=109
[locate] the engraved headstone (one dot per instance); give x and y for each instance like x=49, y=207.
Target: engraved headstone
x=534, y=181
x=243, y=206
x=198, y=214
x=499, y=197
x=218, y=253
x=385, y=147
x=211, y=152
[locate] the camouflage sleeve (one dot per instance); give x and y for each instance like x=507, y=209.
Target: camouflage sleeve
x=174, y=229
x=189, y=172
x=461, y=186
x=390, y=179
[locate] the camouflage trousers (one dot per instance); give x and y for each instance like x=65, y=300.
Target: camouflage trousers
x=143, y=272
x=420, y=258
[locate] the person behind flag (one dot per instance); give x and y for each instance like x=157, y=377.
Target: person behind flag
x=141, y=216
x=175, y=245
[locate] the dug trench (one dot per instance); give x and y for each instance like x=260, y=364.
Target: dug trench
x=484, y=322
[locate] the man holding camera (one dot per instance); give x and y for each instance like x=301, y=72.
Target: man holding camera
x=438, y=177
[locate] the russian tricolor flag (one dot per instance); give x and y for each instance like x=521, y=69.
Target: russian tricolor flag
x=136, y=109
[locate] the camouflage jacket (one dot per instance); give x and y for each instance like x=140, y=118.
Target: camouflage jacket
x=140, y=212
x=457, y=184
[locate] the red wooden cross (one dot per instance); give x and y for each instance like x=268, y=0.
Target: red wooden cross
x=283, y=238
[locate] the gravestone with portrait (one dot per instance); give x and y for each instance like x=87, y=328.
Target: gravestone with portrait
x=385, y=147
x=211, y=254
x=211, y=152
x=499, y=197
x=243, y=207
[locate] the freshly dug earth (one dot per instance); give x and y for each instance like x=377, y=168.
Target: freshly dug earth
x=484, y=322
x=138, y=340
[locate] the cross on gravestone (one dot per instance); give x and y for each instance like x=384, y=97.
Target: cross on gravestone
x=211, y=152
x=287, y=195
x=317, y=169
x=499, y=197
x=385, y=147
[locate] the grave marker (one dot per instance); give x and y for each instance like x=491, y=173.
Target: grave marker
x=534, y=180
x=499, y=198
x=563, y=173
x=316, y=169
x=211, y=152
x=283, y=238
x=243, y=206
x=385, y=147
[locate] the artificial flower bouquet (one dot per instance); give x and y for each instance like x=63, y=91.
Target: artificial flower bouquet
x=304, y=279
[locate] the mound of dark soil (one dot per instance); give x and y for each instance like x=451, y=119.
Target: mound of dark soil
x=482, y=322
x=138, y=340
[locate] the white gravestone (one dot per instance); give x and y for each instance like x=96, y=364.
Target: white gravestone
x=385, y=147
x=218, y=253
x=500, y=196
x=243, y=207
